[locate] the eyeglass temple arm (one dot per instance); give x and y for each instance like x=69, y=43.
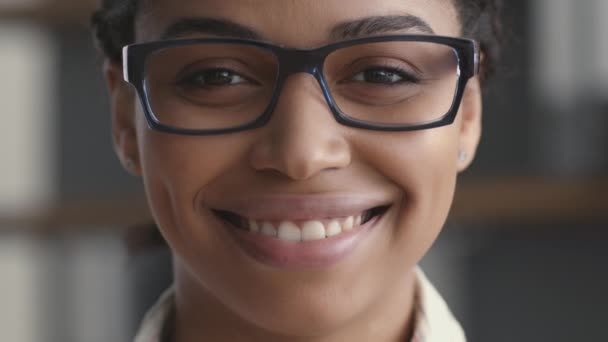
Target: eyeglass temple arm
x=477, y=59
x=125, y=63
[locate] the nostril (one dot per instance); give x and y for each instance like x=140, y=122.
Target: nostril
x=303, y=137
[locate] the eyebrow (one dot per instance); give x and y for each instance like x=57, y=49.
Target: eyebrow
x=380, y=24
x=212, y=26
x=352, y=29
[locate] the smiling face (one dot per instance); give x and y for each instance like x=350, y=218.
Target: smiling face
x=364, y=206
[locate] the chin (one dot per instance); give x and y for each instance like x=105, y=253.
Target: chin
x=307, y=316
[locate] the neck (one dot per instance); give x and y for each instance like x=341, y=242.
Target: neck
x=199, y=316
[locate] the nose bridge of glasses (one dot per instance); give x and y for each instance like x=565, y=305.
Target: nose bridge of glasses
x=300, y=61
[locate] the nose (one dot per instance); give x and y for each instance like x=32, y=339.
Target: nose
x=302, y=139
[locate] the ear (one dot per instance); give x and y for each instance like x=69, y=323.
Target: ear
x=470, y=123
x=124, y=135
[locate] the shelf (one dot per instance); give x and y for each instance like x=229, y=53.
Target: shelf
x=53, y=12
x=122, y=211
x=512, y=200
x=531, y=200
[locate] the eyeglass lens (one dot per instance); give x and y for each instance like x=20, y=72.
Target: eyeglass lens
x=216, y=86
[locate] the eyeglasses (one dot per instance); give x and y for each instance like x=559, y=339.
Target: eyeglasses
x=215, y=85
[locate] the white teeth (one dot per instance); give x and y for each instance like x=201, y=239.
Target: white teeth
x=253, y=226
x=306, y=231
x=313, y=230
x=268, y=229
x=288, y=231
x=348, y=224
x=333, y=228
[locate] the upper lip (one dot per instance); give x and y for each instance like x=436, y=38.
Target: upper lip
x=301, y=207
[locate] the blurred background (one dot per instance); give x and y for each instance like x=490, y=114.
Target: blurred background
x=524, y=256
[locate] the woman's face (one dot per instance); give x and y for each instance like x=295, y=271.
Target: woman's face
x=302, y=168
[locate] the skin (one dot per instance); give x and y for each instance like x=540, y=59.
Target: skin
x=223, y=295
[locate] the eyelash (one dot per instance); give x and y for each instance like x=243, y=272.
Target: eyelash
x=405, y=75
x=191, y=78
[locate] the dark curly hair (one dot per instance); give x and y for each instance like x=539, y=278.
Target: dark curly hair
x=113, y=25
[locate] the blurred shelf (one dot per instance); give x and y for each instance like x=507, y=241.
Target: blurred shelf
x=507, y=200
x=53, y=12
x=117, y=212
x=531, y=200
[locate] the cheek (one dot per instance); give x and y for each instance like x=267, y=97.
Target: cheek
x=423, y=164
x=419, y=162
x=176, y=170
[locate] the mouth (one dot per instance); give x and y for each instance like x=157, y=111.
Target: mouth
x=301, y=230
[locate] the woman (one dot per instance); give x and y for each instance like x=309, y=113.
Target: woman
x=299, y=157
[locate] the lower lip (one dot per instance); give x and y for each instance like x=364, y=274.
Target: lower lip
x=301, y=255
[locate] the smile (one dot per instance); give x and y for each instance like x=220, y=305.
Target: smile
x=301, y=230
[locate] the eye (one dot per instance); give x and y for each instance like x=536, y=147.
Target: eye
x=383, y=75
x=212, y=78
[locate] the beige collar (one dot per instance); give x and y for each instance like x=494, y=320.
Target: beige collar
x=434, y=321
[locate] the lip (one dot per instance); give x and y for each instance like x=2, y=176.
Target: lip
x=302, y=208
x=314, y=254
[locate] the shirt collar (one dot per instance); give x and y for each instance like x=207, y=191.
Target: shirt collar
x=151, y=329
x=434, y=321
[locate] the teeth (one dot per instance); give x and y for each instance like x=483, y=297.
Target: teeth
x=348, y=224
x=313, y=230
x=253, y=226
x=333, y=228
x=268, y=229
x=288, y=231
x=305, y=231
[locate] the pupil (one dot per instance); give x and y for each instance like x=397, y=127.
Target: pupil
x=381, y=76
x=217, y=77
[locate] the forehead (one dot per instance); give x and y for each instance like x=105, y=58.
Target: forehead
x=298, y=23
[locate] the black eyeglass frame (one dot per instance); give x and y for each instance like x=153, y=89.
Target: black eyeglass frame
x=291, y=61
